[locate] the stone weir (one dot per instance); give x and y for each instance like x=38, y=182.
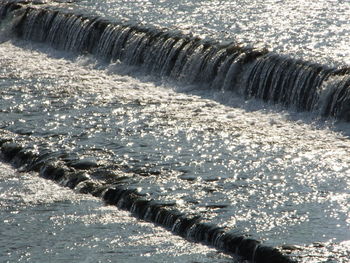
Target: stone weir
x=208, y=64
x=110, y=183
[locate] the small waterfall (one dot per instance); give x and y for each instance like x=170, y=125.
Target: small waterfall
x=249, y=72
x=7, y=7
x=286, y=81
x=338, y=99
x=57, y=167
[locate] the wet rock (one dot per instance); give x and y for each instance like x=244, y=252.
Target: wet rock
x=83, y=164
x=187, y=178
x=4, y=140
x=265, y=254
x=142, y=171
x=209, y=189
x=167, y=218
x=211, y=234
x=45, y=156
x=247, y=248
x=317, y=244
x=216, y=206
x=232, y=242
x=52, y=171
x=291, y=247
x=72, y=179
x=140, y=207
x=10, y=149
x=183, y=224
x=87, y=187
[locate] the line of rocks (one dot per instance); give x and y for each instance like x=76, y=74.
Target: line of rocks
x=114, y=188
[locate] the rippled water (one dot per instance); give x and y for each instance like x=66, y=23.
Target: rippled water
x=281, y=180
x=316, y=31
x=43, y=222
x=277, y=175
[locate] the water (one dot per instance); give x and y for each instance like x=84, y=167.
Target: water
x=247, y=71
x=274, y=173
x=308, y=30
x=43, y=222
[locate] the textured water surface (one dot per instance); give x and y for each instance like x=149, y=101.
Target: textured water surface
x=255, y=171
x=43, y=222
x=316, y=31
x=278, y=175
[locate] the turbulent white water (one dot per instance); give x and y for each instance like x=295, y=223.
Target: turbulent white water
x=278, y=175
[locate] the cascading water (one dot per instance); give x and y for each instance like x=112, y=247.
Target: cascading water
x=267, y=76
x=176, y=149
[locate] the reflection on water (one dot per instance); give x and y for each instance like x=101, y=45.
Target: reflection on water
x=253, y=170
x=42, y=222
x=316, y=31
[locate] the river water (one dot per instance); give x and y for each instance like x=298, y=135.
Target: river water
x=43, y=222
x=278, y=175
x=316, y=31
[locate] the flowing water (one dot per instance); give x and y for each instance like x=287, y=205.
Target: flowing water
x=43, y=222
x=268, y=171
x=316, y=31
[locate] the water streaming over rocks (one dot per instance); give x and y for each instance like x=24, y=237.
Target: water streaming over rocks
x=66, y=226
x=258, y=73
x=219, y=175
x=116, y=193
